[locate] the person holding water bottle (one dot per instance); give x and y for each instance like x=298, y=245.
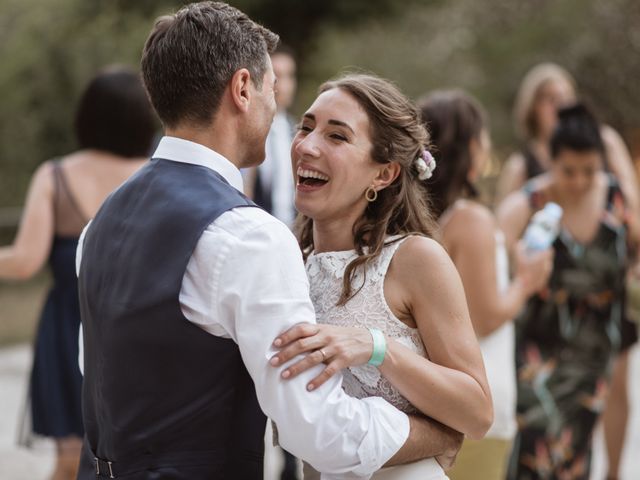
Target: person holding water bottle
x=543, y=228
x=460, y=136
x=568, y=335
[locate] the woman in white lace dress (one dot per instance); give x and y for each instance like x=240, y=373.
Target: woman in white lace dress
x=360, y=162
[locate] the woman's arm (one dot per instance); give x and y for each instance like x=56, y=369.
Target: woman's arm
x=31, y=246
x=616, y=414
x=475, y=259
x=513, y=215
x=621, y=166
x=512, y=177
x=451, y=385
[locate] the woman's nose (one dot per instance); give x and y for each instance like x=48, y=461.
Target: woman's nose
x=307, y=146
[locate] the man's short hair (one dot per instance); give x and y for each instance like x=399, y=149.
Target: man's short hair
x=190, y=57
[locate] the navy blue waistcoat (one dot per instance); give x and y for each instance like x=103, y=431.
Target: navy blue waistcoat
x=162, y=399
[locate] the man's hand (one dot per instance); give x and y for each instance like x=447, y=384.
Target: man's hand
x=448, y=458
x=429, y=438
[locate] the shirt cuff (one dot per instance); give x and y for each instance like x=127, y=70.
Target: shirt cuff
x=388, y=432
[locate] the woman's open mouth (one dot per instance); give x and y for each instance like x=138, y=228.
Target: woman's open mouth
x=310, y=179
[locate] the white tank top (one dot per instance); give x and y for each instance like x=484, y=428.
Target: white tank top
x=368, y=308
x=499, y=361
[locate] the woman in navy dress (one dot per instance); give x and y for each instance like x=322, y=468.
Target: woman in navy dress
x=115, y=126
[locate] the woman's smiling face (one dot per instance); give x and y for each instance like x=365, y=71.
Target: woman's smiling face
x=331, y=158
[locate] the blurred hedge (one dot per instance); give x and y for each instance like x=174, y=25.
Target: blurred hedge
x=50, y=48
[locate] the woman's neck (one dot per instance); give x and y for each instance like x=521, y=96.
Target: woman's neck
x=570, y=201
x=541, y=151
x=333, y=235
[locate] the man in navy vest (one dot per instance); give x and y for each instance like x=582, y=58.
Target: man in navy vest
x=184, y=285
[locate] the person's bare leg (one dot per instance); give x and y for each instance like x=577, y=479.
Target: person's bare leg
x=67, y=459
x=616, y=414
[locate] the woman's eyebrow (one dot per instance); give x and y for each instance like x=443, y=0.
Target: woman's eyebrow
x=341, y=124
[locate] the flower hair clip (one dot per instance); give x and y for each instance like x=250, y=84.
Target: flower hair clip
x=425, y=165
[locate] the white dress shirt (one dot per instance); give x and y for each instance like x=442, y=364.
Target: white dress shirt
x=246, y=281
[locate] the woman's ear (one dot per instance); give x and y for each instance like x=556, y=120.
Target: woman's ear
x=480, y=152
x=474, y=153
x=239, y=89
x=387, y=175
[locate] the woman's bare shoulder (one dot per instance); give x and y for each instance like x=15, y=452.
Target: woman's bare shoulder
x=467, y=212
x=420, y=256
x=469, y=222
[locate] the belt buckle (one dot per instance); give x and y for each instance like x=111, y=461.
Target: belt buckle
x=97, y=460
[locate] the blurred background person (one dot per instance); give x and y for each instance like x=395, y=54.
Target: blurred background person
x=545, y=88
x=460, y=135
x=569, y=335
x=114, y=127
x=271, y=184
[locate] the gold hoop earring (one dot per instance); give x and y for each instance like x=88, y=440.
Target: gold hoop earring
x=371, y=194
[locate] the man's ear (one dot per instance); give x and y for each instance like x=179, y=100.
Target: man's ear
x=387, y=175
x=240, y=90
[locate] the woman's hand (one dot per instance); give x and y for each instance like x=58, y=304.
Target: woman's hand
x=337, y=347
x=533, y=269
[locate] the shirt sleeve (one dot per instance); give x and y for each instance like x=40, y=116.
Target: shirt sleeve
x=79, y=248
x=260, y=290
x=78, y=261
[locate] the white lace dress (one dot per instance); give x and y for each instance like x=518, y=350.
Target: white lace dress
x=368, y=308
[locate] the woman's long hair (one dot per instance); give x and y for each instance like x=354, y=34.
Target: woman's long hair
x=524, y=114
x=454, y=119
x=397, y=135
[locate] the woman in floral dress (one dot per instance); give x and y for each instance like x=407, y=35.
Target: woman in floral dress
x=568, y=335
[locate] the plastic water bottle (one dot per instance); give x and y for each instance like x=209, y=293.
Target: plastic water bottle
x=543, y=228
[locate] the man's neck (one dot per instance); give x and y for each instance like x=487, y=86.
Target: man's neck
x=217, y=139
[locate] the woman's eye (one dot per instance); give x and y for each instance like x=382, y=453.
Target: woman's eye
x=304, y=128
x=337, y=136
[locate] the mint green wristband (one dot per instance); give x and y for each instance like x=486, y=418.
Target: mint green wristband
x=379, y=347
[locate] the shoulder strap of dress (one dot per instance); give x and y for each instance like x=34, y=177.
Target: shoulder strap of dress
x=388, y=251
x=614, y=192
x=616, y=202
x=534, y=196
x=55, y=168
x=62, y=188
x=531, y=163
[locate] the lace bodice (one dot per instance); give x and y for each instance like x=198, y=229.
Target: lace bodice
x=368, y=308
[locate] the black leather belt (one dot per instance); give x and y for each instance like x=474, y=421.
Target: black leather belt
x=112, y=469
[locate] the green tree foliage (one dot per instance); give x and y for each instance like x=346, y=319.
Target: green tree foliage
x=48, y=51
x=296, y=21
x=50, y=48
x=487, y=47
